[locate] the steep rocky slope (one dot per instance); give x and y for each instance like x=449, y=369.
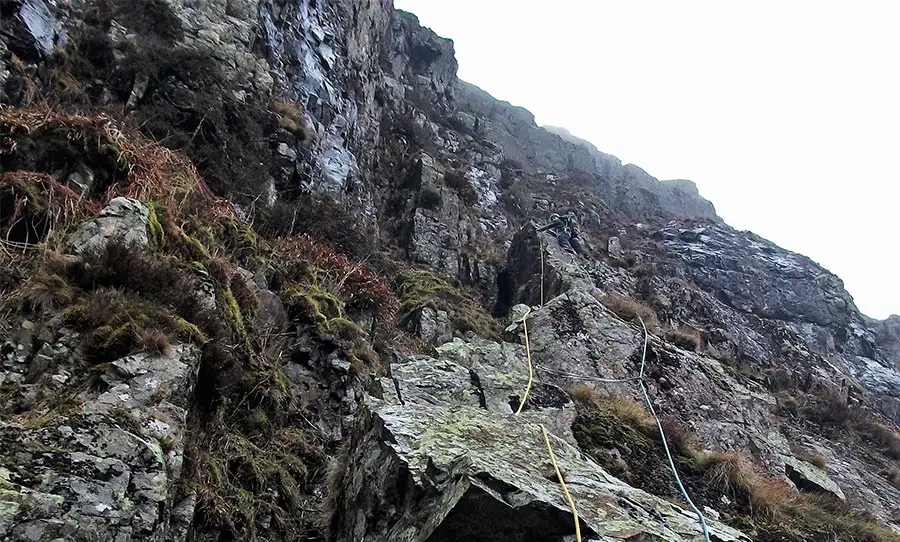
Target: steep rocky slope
x=267, y=271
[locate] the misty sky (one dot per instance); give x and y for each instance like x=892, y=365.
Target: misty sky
x=785, y=114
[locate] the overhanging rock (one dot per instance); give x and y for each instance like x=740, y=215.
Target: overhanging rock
x=443, y=458
x=461, y=473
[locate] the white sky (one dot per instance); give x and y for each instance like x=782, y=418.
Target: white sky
x=785, y=113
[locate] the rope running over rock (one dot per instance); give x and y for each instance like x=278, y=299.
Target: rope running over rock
x=639, y=379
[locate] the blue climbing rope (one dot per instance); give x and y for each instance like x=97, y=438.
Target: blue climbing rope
x=662, y=435
x=640, y=380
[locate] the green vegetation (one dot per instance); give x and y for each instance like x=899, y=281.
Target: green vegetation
x=253, y=457
x=419, y=289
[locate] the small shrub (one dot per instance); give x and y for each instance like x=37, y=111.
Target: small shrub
x=134, y=271
x=288, y=109
x=886, y=438
x=154, y=341
x=633, y=413
x=240, y=482
x=45, y=292
x=787, y=404
x=112, y=322
x=325, y=221
x=680, y=438
x=828, y=407
x=320, y=268
x=643, y=270
x=33, y=205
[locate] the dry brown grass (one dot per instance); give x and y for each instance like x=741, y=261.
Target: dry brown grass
x=290, y=118
x=631, y=310
x=585, y=396
x=810, y=456
x=631, y=412
x=736, y=476
x=38, y=205
x=151, y=171
x=685, y=337
x=16, y=65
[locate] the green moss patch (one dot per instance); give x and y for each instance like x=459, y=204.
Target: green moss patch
x=419, y=289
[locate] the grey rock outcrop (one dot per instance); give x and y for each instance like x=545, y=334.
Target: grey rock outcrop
x=105, y=467
x=472, y=472
x=124, y=220
x=755, y=276
x=540, y=269
x=887, y=333
x=626, y=187
x=575, y=339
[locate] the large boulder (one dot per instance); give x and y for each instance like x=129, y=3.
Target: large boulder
x=809, y=477
x=444, y=459
x=462, y=473
x=539, y=269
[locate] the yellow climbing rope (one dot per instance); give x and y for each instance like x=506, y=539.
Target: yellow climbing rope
x=559, y=476
x=530, y=366
x=562, y=483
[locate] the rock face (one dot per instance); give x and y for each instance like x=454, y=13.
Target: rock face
x=887, y=333
x=104, y=467
x=353, y=108
x=755, y=276
x=470, y=472
x=627, y=187
x=574, y=338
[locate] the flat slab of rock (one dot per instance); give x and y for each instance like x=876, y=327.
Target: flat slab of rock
x=462, y=473
x=808, y=477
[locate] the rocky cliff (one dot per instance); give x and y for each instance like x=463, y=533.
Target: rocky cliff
x=271, y=272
